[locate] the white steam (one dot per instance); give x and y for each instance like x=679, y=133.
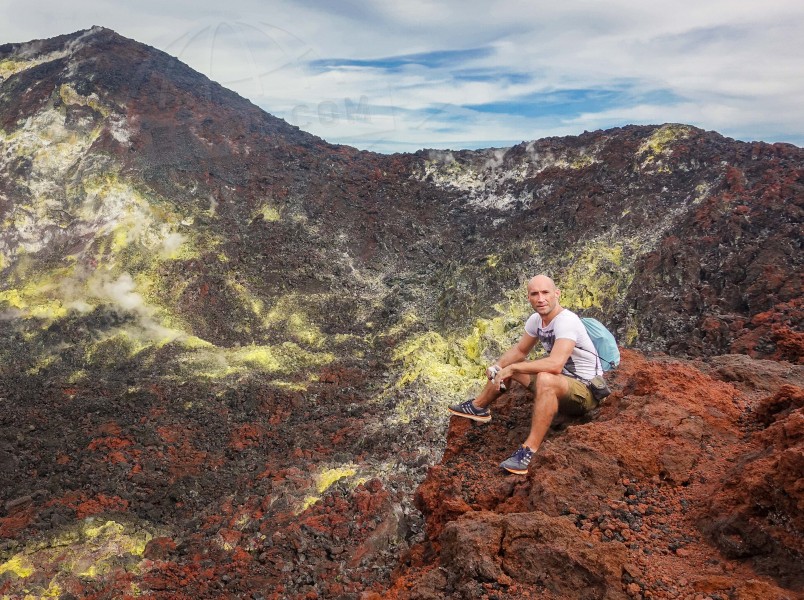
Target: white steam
x=121, y=292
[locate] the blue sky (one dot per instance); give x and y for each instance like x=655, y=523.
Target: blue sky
x=400, y=76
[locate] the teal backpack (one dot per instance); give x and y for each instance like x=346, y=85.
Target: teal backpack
x=604, y=342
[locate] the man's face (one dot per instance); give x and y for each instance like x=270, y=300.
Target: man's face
x=543, y=295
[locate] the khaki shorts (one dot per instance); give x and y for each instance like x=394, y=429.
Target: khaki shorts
x=578, y=399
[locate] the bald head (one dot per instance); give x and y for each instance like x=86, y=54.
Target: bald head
x=543, y=282
x=543, y=296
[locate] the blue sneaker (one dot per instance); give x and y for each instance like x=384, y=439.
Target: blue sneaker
x=519, y=461
x=470, y=411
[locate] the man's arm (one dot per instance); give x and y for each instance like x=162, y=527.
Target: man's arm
x=553, y=363
x=518, y=352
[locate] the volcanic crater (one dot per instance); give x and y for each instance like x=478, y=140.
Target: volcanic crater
x=227, y=348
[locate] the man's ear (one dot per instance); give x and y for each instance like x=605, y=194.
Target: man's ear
x=558, y=293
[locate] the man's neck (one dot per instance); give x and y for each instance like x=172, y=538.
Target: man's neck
x=548, y=318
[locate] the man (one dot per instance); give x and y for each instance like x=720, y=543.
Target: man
x=558, y=381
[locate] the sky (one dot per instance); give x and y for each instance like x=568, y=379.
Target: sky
x=401, y=75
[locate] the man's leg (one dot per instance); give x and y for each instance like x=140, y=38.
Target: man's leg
x=490, y=392
x=549, y=388
x=476, y=409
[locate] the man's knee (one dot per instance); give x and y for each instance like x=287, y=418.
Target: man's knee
x=522, y=379
x=546, y=394
x=549, y=381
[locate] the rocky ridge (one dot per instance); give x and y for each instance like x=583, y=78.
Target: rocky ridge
x=227, y=347
x=681, y=485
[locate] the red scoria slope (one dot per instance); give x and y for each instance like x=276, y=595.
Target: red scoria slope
x=686, y=483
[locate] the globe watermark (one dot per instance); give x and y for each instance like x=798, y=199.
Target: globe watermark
x=282, y=74
x=328, y=112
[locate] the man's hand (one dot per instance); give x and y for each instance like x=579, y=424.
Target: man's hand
x=505, y=373
x=500, y=377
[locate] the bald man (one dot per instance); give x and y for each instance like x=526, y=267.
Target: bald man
x=559, y=381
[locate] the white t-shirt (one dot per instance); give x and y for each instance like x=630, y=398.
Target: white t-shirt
x=582, y=363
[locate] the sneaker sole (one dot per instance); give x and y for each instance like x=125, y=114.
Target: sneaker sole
x=516, y=471
x=478, y=418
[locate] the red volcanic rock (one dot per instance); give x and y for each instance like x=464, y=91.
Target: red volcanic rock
x=100, y=504
x=246, y=436
x=760, y=512
x=159, y=548
x=624, y=502
x=788, y=400
x=778, y=326
x=16, y=520
x=533, y=549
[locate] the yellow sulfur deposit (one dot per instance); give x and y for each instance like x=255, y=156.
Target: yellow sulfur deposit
x=69, y=96
x=41, y=297
x=90, y=550
x=11, y=66
x=212, y=362
x=631, y=334
x=325, y=480
x=268, y=212
x=660, y=139
x=287, y=312
x=329, y=476
x=18, y=565
x=307, y=503
x=260, y=357
x=658, y=145
x=437, y=369
x=598, y=276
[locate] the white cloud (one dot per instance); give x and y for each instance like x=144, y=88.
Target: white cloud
x=732, y=66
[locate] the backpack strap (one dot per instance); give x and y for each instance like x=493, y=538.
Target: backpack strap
x=596, y=354
x=578, y=377
x=564, y=371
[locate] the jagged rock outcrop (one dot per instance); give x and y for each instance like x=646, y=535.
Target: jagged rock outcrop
x=665, y=489
x=226, y=347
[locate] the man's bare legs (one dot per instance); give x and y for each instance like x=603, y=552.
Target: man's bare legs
x=545, y=406
x=545, y=402
x=549, y=388
x=490, y=392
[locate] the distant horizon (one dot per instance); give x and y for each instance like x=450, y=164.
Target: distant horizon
x=449, y=76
